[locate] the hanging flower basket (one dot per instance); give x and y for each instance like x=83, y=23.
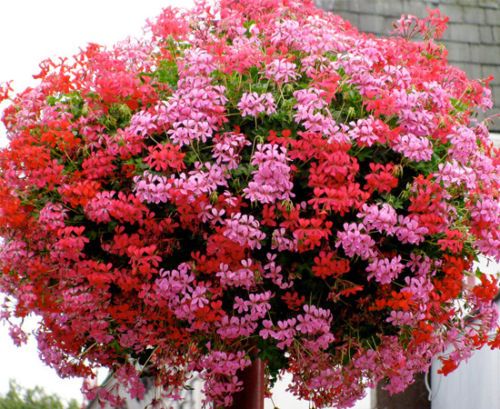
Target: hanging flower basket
x=254, y=179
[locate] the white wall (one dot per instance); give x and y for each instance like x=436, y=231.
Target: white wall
x=476, y=383
x=496, y=138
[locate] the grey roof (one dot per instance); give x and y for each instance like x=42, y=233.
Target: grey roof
x=472, y=38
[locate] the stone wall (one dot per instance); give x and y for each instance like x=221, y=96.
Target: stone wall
x=472, y=39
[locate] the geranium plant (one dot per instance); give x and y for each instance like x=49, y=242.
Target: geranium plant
x=252, y=179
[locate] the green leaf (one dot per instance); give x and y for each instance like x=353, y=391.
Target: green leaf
x=254, y=74
x=459, y=105
x=118, y=117
x=168, y=73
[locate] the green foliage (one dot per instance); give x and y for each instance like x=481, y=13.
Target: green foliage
x=167, y=73
x=118, y=117
x=74, y=101
x=459, y=105
x=36, y=398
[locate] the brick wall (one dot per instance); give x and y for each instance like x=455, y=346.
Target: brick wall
x=472, y=39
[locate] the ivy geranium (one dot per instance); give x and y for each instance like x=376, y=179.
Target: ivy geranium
x=252, y=179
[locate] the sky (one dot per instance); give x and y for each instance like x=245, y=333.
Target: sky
x=31, y=31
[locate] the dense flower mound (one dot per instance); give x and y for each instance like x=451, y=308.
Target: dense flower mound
x=252, y=179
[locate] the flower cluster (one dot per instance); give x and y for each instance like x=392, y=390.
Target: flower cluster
x=254, y=178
